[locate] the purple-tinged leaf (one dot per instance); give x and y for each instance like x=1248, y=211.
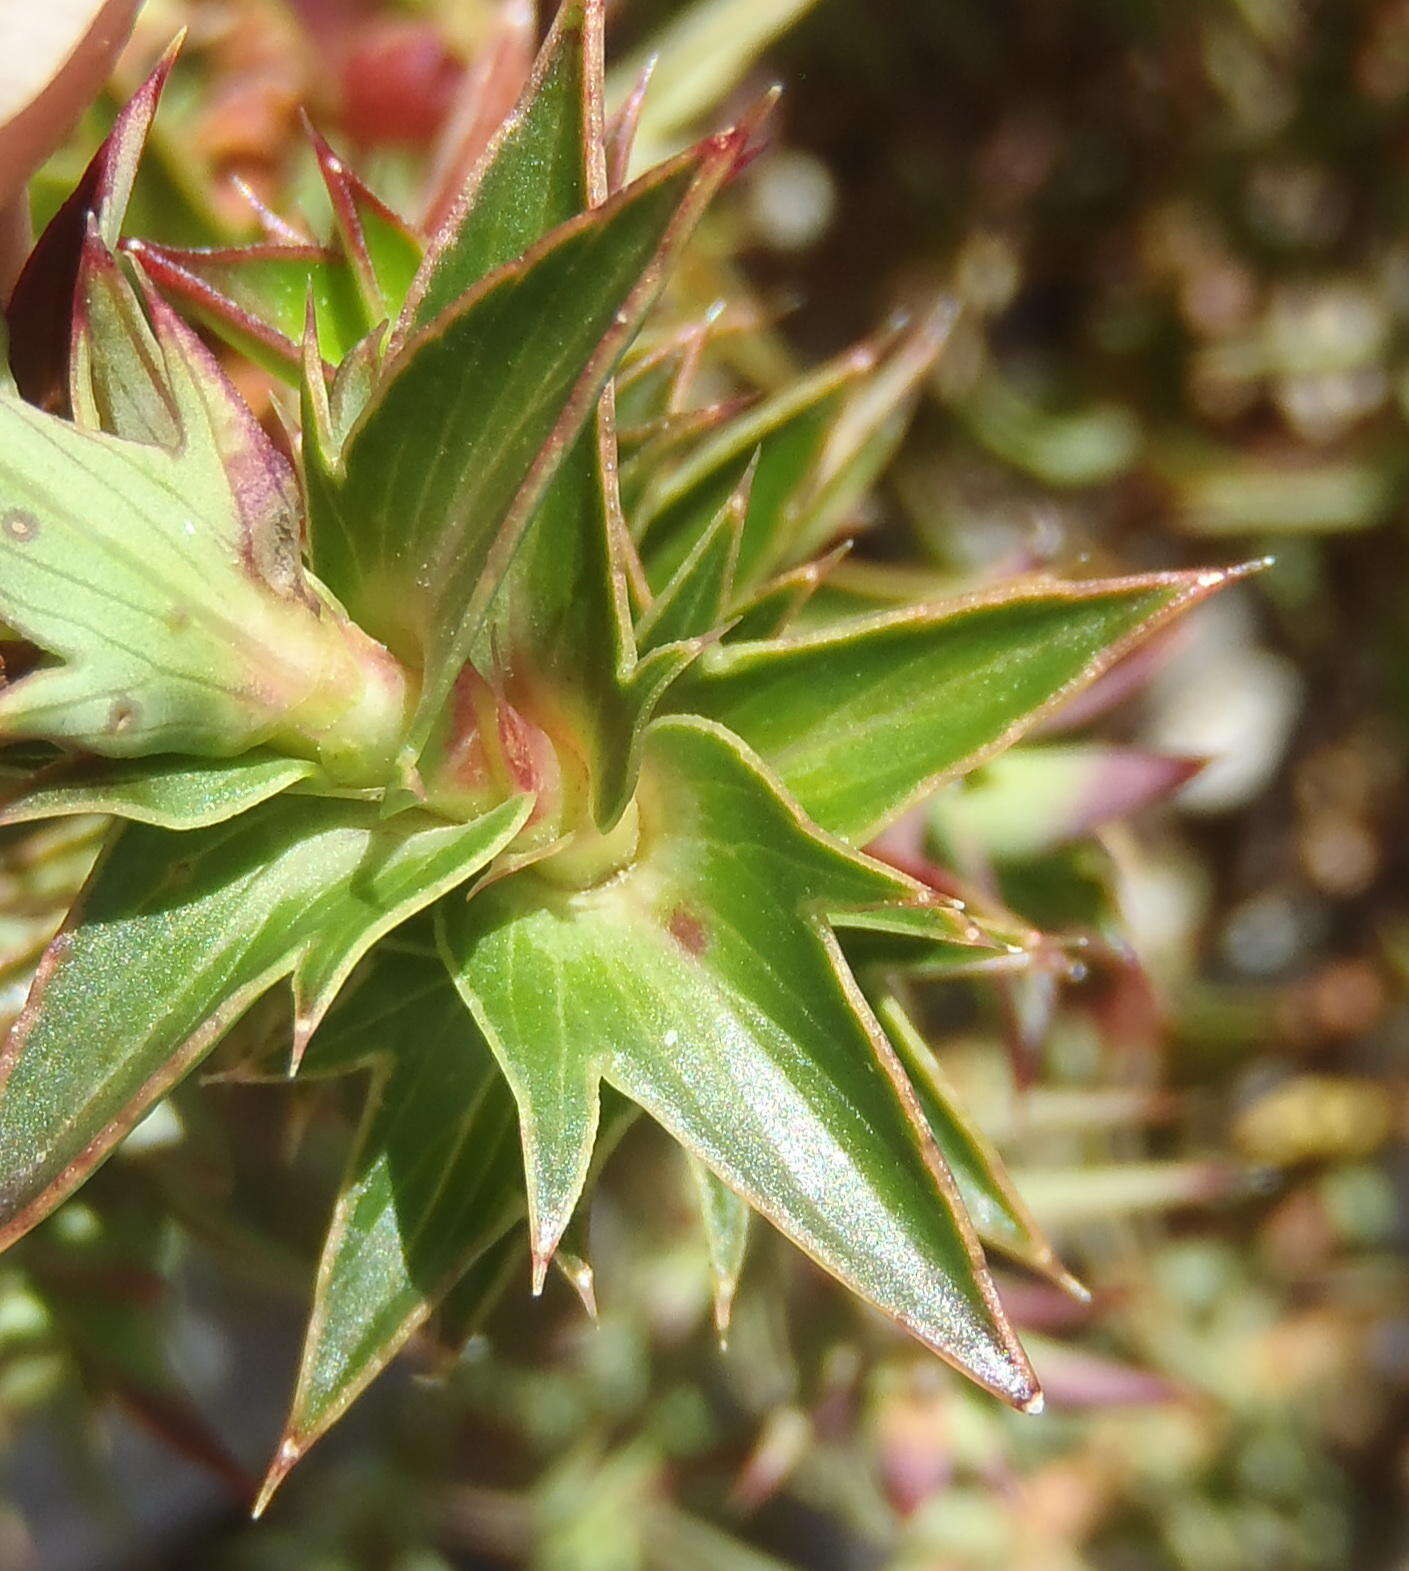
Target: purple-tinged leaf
x=621, y=133
x=1080, y=1381
x=254, y=296
x=41, y=306
x=117, y=376
x=1038, y=797
x=375, y=245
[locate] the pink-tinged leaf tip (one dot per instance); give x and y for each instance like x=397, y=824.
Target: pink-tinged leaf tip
x=41, y=306
x=344, y=192
x=621, y=133
x=285, y=1460
x=304, y=1027
x=581, y=1278
x=177, y=274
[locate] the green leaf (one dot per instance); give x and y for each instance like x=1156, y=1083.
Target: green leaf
x=376, y=249
x=254, y=296
x=169, y=584
x=702, y=982
x=859, y=588
x=558, y=638
x=168, y=791
x=417, y=528
x=783, y=438
x=725, y=1219
x=175, y=936
x=771, y=609
x=544, y=165
x=117, y=378
x=1002, y=1220
x=695, y=601
x=927, y=940
x=433, y=1182
x=863, y=720
x=865, y=435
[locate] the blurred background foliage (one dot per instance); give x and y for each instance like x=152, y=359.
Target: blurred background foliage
x=1179, y=238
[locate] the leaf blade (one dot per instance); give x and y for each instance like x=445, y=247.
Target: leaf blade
x=166, y=792
x=543, y=166
x=999, y=1214
x=862, y=720
x=740, y=1020
x=432, y=1183
x=171, y=940
x=418, y=563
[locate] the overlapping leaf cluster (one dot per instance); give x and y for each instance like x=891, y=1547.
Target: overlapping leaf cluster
x=494, y=734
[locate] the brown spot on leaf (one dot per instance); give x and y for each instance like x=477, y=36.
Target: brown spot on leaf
x=178, y=619
x=688, y=931
x=121, y=716
x=20, y=525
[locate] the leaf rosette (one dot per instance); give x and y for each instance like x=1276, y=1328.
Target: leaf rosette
x=510, y=756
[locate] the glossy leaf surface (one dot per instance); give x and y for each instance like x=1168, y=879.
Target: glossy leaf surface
x=558, y=635
x=440, y=478
x=169, y=791
x=536, y=173
x=434, y=1180
x=703, y=984
x=861, y=721
x=175, y=936
x=995, y=1206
